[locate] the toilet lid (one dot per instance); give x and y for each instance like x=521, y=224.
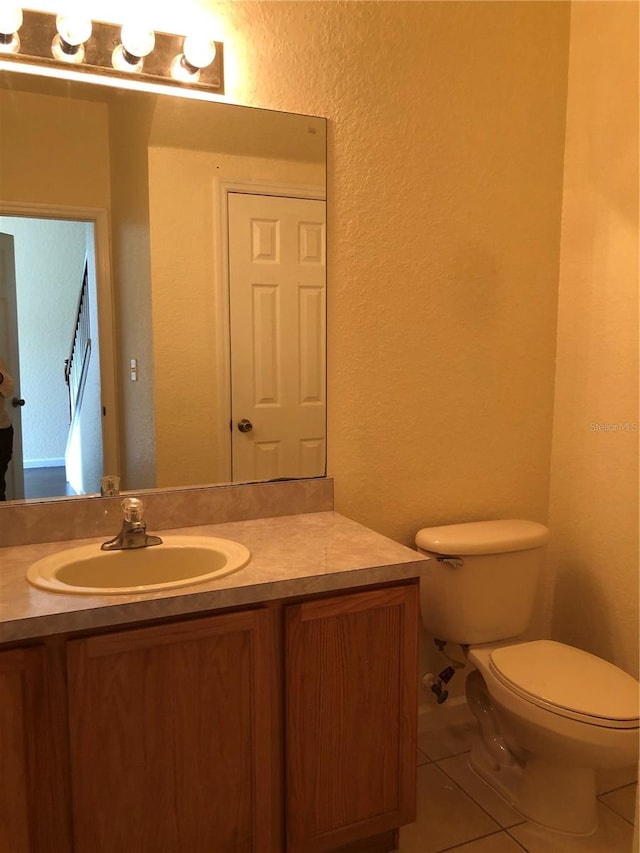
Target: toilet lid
x=569, y=682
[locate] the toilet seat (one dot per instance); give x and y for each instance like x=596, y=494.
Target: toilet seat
x=569, y=682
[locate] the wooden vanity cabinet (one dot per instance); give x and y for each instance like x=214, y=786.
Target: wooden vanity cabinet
x=34, y=817
x=350, y=718
x=174, y=737
x=284, y=728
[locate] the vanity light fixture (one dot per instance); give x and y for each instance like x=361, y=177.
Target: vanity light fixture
x=10, y=22
x=73, y=31
x=71, y=45
x=198, y=52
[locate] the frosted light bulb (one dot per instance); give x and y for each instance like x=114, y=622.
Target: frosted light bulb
x=10, y=23
x=10, y=18
x=138, y=40
x=73, y=31
x=199, y=51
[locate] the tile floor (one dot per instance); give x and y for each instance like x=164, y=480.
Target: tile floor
x=458, y=813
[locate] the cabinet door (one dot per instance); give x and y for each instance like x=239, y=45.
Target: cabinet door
x=173, y=734
x=351, y=717
x=33, y=815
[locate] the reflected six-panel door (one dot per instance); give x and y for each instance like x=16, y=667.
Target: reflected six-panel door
x=277, y=285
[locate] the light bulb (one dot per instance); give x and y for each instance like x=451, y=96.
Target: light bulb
x=10, y=18
x=137, y=42
x=10, y=23
x=73, y=31
x=197, y=53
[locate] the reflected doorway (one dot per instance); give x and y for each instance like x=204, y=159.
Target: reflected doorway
x=58, y=345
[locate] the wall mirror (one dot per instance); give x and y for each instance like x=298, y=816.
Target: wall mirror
x=162, y=266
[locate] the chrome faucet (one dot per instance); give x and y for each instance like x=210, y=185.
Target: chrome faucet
x=133, y=533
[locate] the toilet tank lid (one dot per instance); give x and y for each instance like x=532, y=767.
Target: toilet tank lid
x=482, y=537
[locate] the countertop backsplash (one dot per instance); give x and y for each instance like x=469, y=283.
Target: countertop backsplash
x=32, y=522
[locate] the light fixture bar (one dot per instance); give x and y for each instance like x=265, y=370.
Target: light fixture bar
x=38, y=31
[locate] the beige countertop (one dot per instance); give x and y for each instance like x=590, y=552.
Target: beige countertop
x=290, y=556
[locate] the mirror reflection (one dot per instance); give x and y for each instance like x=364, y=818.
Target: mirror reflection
x=162, y=289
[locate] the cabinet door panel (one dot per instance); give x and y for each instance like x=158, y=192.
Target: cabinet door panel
x=33, y=815
x=16, y=670
x=351, y=705
x=167, y=752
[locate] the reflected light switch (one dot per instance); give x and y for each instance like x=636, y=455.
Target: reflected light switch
x=133, y=369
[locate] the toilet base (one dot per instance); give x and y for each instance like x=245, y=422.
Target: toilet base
x=555, y=795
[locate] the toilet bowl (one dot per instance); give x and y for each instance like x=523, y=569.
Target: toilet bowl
x=549, y=715
x=561, y=713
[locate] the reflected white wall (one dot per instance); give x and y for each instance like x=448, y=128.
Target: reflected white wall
x=49, y=265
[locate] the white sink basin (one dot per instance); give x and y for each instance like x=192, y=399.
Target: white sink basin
x=178, y=561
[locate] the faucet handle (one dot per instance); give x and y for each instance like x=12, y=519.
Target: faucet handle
x=133, y=509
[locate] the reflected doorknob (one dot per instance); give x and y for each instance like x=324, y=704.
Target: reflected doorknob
x=17, y=402
x=245, y=425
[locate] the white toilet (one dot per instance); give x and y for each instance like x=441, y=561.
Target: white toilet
x=549, y=715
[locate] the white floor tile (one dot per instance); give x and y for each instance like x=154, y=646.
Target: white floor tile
x=614, y=835
x=422, y=758
x=459, y=813
x=498, y=843
x=460, y=771
x=446, y=815
x=622, y=801
x=609, y=780
x=448, y=741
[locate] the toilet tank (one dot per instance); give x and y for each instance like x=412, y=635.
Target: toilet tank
x=480, y=585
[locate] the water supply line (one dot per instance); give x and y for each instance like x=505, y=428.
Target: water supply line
x=437, y=683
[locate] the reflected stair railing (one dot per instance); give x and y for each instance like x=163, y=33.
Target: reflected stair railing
x=75, y=367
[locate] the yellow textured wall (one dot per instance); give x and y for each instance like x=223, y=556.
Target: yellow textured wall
x=184, y=305
x=129, y=124
x=75, y=135
x=594, y=486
